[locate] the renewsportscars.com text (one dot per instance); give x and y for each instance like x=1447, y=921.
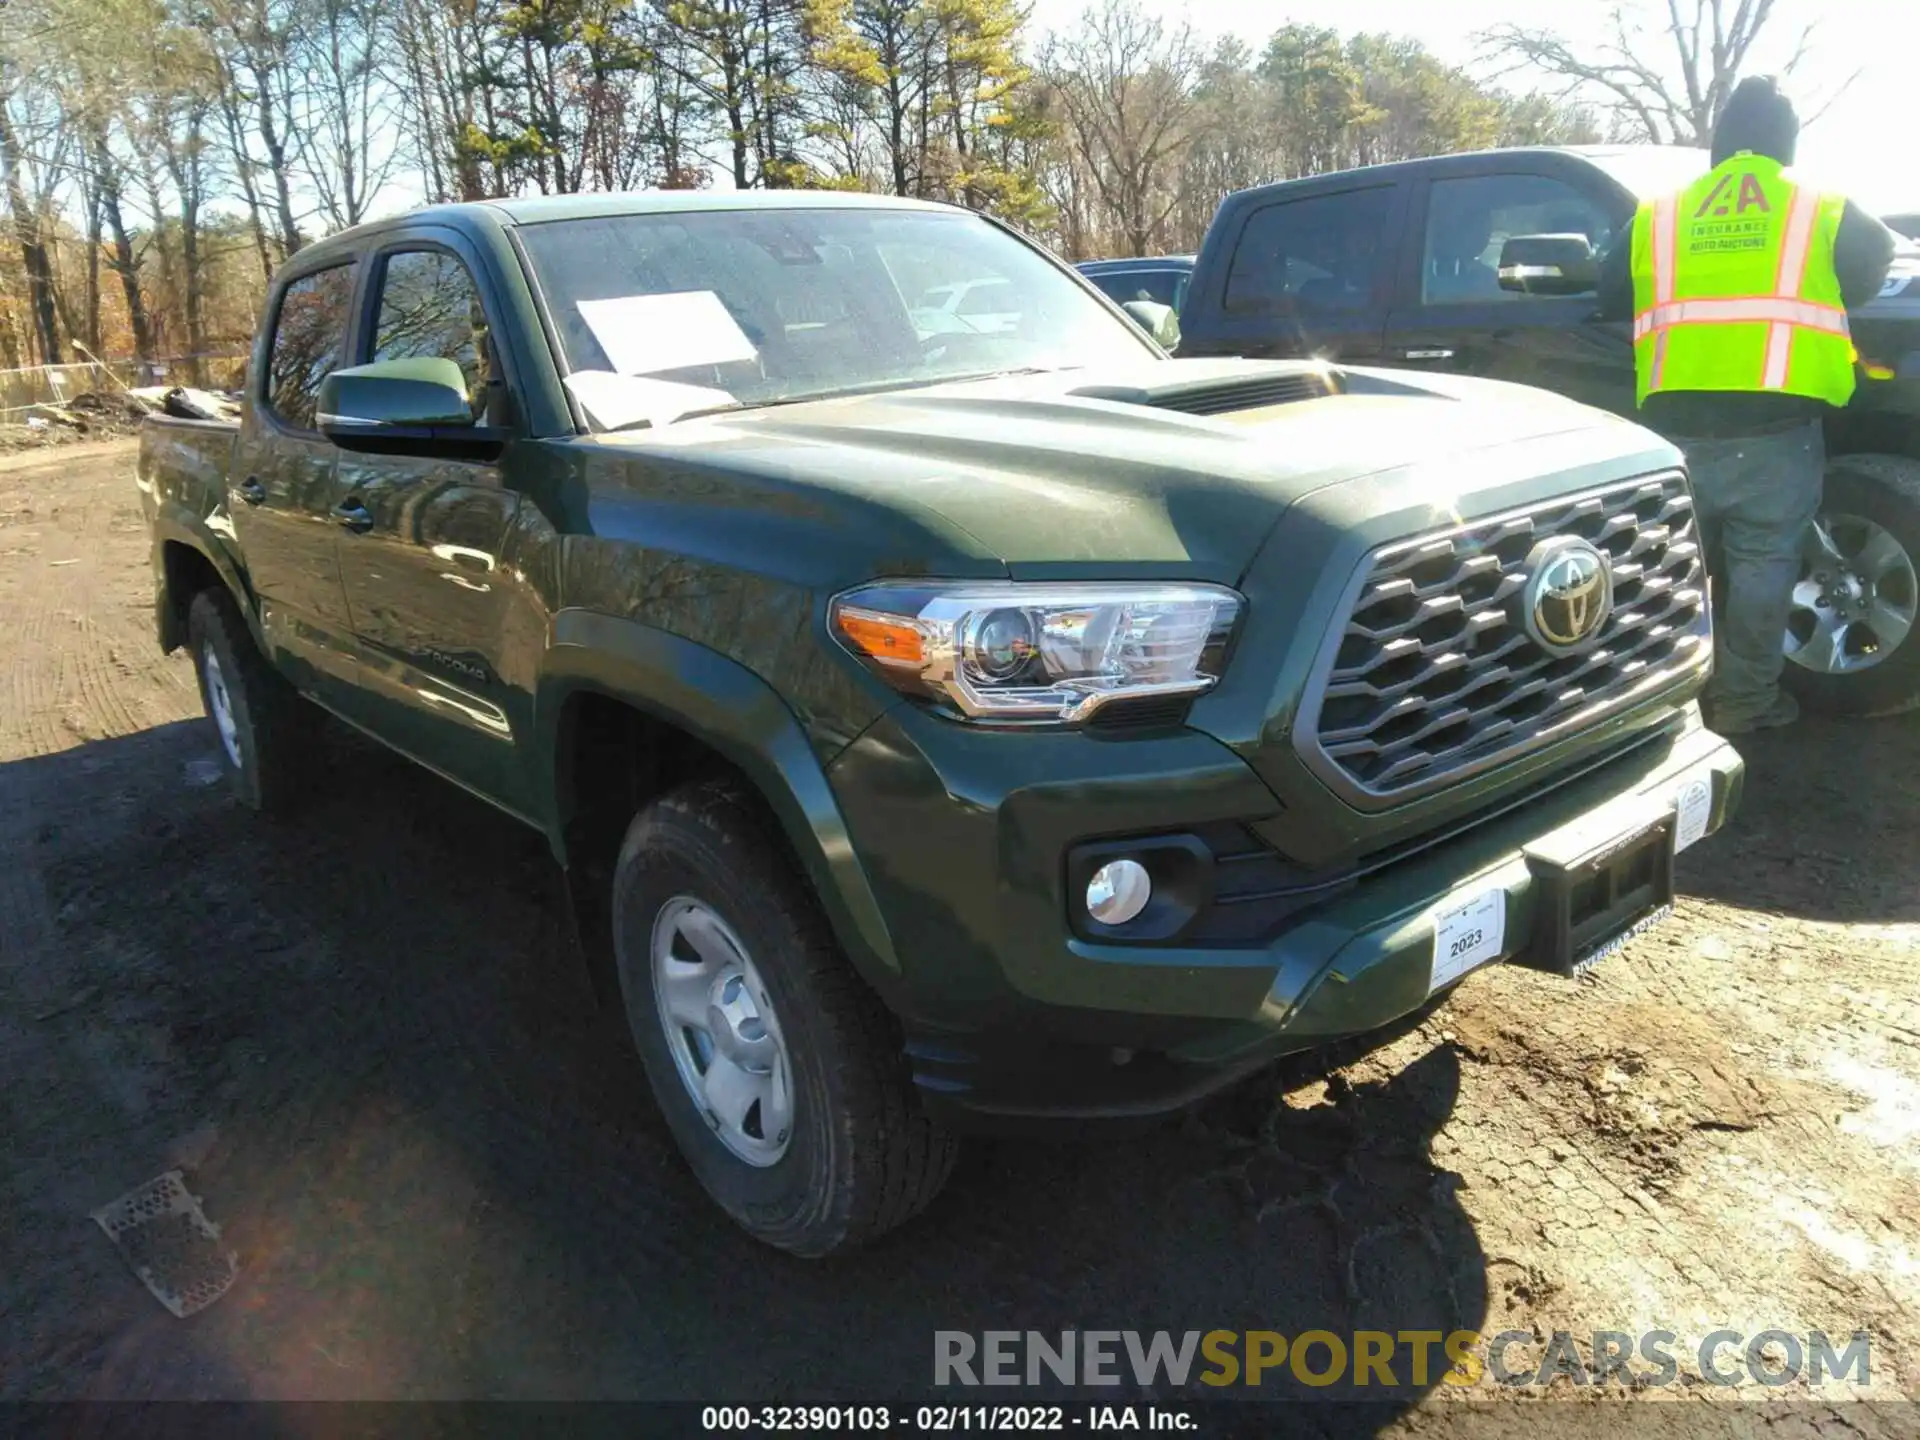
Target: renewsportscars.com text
x=1382, y=1359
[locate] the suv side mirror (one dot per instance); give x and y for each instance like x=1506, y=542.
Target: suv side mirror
x=1549, y=265
x=1162, y=322
x=392, y=396
x=397, y=404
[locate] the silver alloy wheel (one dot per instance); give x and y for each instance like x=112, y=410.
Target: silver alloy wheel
x=221, y=704
x=722, y=1031
x=1856, y=600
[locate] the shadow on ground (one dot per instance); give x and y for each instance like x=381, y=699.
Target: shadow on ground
x=363, y=1033
x=1820, y=795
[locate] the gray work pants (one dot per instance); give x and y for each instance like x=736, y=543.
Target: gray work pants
x=1755, y=497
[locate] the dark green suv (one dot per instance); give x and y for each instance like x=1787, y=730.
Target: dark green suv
x=941, y=724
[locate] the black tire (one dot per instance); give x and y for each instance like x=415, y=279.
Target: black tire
x=272, y=725
x=863, y=1156
x=1884, y=489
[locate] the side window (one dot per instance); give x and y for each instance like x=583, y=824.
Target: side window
x=1313, y=256
x=430, y=309
x=307, y=334
x=1469, y=219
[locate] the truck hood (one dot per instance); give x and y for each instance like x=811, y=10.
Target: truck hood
x=1168, y=467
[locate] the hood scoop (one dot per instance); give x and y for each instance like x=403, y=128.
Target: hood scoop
x=1232, y=388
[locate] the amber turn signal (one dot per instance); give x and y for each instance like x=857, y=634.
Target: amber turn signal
x=885, y=638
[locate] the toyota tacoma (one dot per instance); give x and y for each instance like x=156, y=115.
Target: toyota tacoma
x=941, y=727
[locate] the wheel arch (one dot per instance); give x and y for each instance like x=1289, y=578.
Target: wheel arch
x=186, y=561
x=692, y=711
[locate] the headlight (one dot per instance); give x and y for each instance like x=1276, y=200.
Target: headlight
x=1039, y=653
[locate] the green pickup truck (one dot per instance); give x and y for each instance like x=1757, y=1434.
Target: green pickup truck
x=952, y=721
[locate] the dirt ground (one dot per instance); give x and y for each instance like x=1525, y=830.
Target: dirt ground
x=94, y=418
x=362, y=1037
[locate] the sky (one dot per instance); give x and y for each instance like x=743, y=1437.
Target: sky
x=1867, y=144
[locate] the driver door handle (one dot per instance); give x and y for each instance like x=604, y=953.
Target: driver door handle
x=353, y=516
x=252, y=491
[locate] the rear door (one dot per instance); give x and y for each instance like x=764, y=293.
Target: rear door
x=421, y=563
x=1450, y=312
x=283, y=485
x=1309, y=275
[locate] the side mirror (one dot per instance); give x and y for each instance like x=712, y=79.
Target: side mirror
x=395, y=401
x=1549, y=265
x=1159, y=321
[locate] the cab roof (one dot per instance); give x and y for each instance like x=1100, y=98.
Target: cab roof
x=540, y=209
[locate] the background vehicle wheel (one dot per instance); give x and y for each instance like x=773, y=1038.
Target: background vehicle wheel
x=257, y=716
x=779, y=1072
x=1849, y=644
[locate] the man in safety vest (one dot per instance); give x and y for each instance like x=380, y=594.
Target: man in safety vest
x=1739, y=287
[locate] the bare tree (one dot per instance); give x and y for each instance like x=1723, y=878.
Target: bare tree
x=27, y=218
x=344, y=121
x=1665, y=69
x=1125, y=88
x=253, y=41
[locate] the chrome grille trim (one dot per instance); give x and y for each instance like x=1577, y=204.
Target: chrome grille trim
x=1430, y=678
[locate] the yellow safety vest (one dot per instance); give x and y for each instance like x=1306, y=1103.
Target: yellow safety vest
x=1734, y=287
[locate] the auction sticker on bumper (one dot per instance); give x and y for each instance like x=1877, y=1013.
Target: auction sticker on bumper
x=1467, y=932
x=1694, y=803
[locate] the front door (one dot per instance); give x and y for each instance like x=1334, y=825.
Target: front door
x=283, y=486
x=1453, y=315
x=421, y=560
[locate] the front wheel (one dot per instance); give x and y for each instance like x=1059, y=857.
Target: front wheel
x=1849, y=643
x=779, y=1072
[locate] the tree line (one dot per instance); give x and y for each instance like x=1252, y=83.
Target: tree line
x=159, y=158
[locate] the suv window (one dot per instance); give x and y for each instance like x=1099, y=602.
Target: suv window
x=430, y=309
x=1469, y=219
x=307, y=334
x=1313, y=256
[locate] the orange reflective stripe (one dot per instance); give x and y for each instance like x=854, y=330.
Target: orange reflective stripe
x=1659, y=360
x=1666, y=214
x=1742, y=309
x=1798, y=242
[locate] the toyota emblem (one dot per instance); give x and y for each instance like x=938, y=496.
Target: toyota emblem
x=1568, y=595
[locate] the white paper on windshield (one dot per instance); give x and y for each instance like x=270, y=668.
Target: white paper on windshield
x=642, y=334
x=613, y=401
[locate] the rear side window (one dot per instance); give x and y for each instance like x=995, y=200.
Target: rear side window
x=1313, y=256
x=430, y=309
x=308, y=331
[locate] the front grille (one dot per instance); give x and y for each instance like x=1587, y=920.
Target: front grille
x=1436, y=677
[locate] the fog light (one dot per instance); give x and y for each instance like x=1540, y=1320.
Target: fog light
x=1118, y=891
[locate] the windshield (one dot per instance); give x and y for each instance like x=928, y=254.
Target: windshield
x=662, y=315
